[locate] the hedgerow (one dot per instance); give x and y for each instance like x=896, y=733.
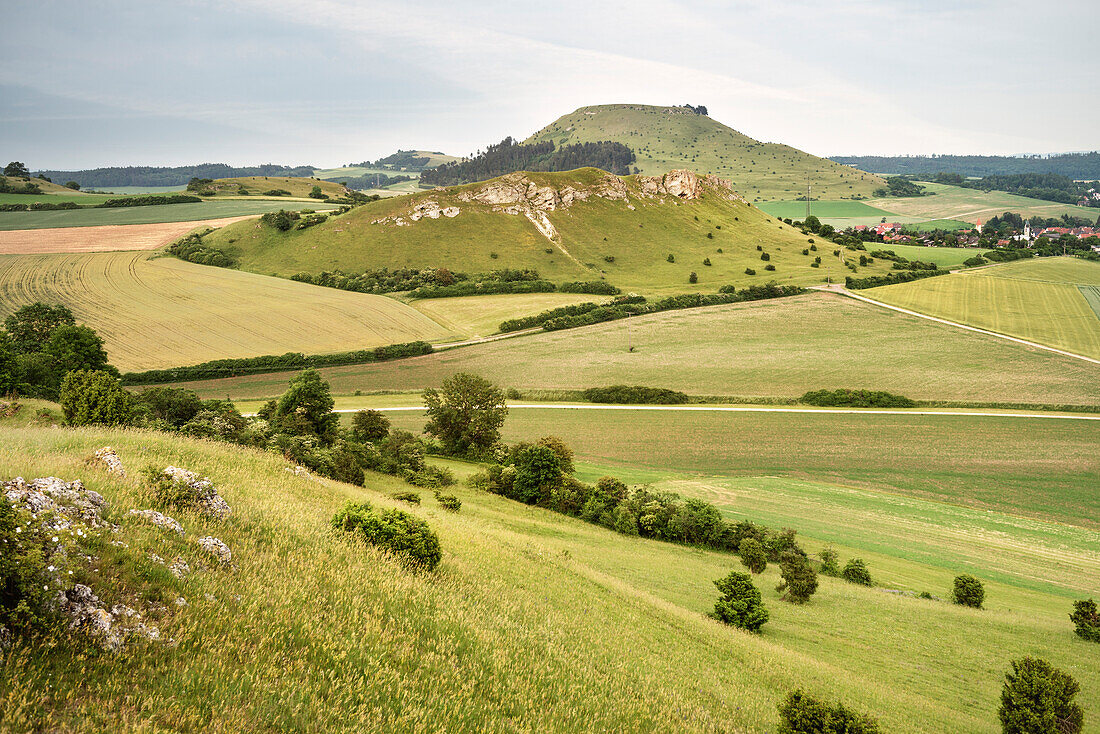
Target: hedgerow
x=634, y=395
x=856, y=399
x=892, y=278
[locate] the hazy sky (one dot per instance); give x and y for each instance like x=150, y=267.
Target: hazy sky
x=325, y=82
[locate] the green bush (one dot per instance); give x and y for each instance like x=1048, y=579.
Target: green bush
x=25, y=591
x=693, y=278
x=448, y=502
x=634, y=395
x=829, y=562
x=739, y=602
x=411, y=498
x=770, y=268
x=968, y=591
x=856, y=399
x=370, y=426
x=803, y=714
x=855, y=572
x=281, y=220
x=1037, y=698
x=765, y=256
x=671, y=258
x=1087, y=620
x=750, y=271
x=799, y=578
x=752, y=555
x=90, y=397
x=395, y=531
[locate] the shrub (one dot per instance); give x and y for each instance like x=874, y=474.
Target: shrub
x=25, y=592
x=671, y=258
x=466, y=414
x=806, y=252
x=90, y=397
x=765, y=256
x=634, y=395
x=739, y=602
x=856, y=399
x=802, y=714
x=347, y=463
x=706, y=261
x=799, y=578
x=855, y=572
x=411, y=498
x=752, y=555
x=829, y=565
x=968, y=591
x=1087, y=620
x=276, y=192
x=281, y=220
x=770, y=268
x=1038, y=698
x=370, y=426
x=693, y=278
x=448, y=502
x=750, y=271
x=395, y=531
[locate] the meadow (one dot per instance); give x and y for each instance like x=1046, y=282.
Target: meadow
x=298, y=187
x=666, y=138
x=765, y=349
x=1038, y=300
x=944, y=257
x=155, y=214
x=970, y=205
x=538, y=618
x=840, y=214
x=481, y=315
x=155, y=312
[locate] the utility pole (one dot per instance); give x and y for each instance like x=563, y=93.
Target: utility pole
x=807, y=199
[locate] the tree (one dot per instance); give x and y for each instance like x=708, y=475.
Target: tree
x=90, y=397
x=799, y=577
x=316, y=193
x=563, y=452
x=752, y=555
x=1087, y=620
x=812, y=223
x=305, y=409
x=829, y=565
x=72, y=185
x=15, y=169
x=739, y=602
x=9, y=366
x=855, y=572
x=1038, y=698
x=693, y=278
x=466, y=414
x=370, y=426
x=969, y=591
x=802, y=714
x=30, y=326
x=77, y=348
x=538, y=470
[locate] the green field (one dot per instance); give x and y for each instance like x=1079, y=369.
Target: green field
x=1038, y=300
x=638, y=234
x=765, y=349
x=945, y=257
x=148, y=214
x=666, y=138
x=540, y=618
x=481, y=315
x=838, y=213
x=257, y=185
x=970, y=205
x=156, y=312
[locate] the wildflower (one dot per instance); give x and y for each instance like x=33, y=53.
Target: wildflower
x=55, y=538
x=18, y=529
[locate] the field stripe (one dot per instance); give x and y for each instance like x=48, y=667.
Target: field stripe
x=956, y=324
x=1092, y=297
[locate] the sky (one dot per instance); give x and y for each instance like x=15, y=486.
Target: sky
x=329, y=82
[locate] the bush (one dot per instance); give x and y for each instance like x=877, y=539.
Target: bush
x=25, y=593
x=693, y=278
x=739, y=603
x=90, y=397
x=634, y=395
x=765, y=256
x=1087, y=620
x=411, y=498
x=856, y=399
x=770, y=268
x=799, y=578
x=392, y=530
x=1037, y=698
x=370, y=426
x=752, y=555
x=706, y=261
x=281, y=220
x=855, y=572
x=448, y=502
x=829, y=565
x=750, y=271
x=802, y=714
x=671, y=258
x=968, y=591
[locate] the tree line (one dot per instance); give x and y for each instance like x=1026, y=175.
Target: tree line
x=1083, y=166
x=508, y=156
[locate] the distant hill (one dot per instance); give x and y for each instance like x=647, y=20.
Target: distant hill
x=666, y=138
x=508, y=156
x=163, y=176
x=578, y=225
x=297, y=186
x=1080, y=166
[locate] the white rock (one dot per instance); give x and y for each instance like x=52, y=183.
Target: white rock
x=216, y=548
x=158, y=519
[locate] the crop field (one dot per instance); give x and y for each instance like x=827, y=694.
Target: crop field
x=840, y=214
x=109, y=238
x=156, y=214
x=257, y=185
x=494, y=635
x=481, y=315
x=1035, y=300
x=970, y=205
x=156, y=312
x=945, y=257
x=764, y=349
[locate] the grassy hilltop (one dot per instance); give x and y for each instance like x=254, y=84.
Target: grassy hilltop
x=664, y=138
x=625, y=240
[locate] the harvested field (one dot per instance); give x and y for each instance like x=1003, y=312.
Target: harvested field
x=110, y=238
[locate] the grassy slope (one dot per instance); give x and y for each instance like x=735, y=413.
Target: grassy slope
x=482, y=315
x=664, y=138
x=215, y=209
x=157, y=312
x=257, y=185
x=541, y=619
x=970, y=205
x=1033, y=299
x=640, y=241
x=775, y=349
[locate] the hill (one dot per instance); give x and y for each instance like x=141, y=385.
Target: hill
x=95, y=178
x=667, y=138
x=1080, y=166
x=44, y=186
x=298, y=187
x=575, y=226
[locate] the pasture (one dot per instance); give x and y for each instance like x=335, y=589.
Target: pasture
x=1038, y=300
x=156, y=312
x=481, y=315
x=156, y=214
x=970, y=205
x=841, y=214
x=542, y=618
x=765, y=349
x=944, y=257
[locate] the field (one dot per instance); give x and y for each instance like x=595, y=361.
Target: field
x=156, y=214
x=257, y=185
x=765, y=349
x=665, y=138
x=1038, y=300
x=109, y=238
x=539, y=618
x=481, y=315
x=970, y=205
x=156, y=312
x=626, y=243
x=945, y=257
x=840, y=214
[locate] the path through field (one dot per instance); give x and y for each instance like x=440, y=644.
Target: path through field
x=108, y=238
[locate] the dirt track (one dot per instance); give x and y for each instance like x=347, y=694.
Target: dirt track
x=100, y=239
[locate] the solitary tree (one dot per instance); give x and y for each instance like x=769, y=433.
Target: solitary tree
x=969, y=591
x=855, y=572
x=739, y=602
x=15, y=169
x=1086, y=618
x=1037, y=698
x=30, y=326
x=752, y=555
x=799, y=577
x=370, y=425
x=72, y=185
x=305, y=409
x=466, y=414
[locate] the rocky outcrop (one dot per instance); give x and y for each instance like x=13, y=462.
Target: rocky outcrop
x=65, y=502
x=108, y=459
x=216, y=548
x=158, y=519
x=206, y=498
x=110, y=629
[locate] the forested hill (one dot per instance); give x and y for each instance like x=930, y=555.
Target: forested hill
x=508, y=156
x=165, y=176
x=1080, y=166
